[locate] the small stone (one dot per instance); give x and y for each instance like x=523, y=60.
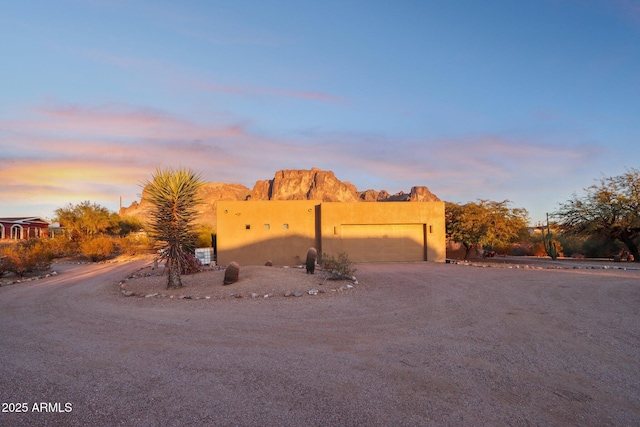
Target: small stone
x=151, y=295
x=254, y=295
x=313, y=292
x=349, y=286
x=297, y=294
x=287, y=294
x=128, y=293
x=207, y=297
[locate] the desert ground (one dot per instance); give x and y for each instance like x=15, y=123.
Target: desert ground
x=501, y=343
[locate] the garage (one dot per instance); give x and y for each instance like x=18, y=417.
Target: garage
x=383, y=242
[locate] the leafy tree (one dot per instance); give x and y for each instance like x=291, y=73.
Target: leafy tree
x=87, y=219
x=173, y=196
x=610, y=209
x=485, y=223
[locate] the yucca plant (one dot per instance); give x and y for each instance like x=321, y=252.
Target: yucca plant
x=173, y=195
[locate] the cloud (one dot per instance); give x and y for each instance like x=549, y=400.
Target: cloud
x=183, y=77
x=249, y=91
x=63, y=154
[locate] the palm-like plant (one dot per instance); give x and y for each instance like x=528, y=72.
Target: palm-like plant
x=173, y=195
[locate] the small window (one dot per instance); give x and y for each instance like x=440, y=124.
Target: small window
x=285, y=226
x=267, y=226
x=247, y=227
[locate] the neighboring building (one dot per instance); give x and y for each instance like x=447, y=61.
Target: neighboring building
x=252, y=233
x=19, y=228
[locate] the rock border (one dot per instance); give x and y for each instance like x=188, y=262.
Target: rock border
x=252, y=295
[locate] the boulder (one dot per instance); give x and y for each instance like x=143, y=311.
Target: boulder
x=232, y=273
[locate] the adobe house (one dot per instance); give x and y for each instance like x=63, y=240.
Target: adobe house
x=253, y=232
x=19, y=228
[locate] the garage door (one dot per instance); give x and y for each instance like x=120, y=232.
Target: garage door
x=383, y=242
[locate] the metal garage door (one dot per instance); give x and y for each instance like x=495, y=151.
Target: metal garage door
x=383, y=242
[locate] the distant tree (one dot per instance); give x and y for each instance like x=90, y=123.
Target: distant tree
x=128, y=225
x=87, y=219
x=485, y=223
x=610, y=210
x=173, y=196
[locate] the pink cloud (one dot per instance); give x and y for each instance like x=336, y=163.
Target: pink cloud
x=117, y=122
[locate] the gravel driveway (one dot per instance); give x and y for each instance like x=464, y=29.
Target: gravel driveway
x=414, y=344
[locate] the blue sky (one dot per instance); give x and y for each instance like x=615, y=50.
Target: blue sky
x=529, y=101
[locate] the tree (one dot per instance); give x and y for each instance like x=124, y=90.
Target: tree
x=87, y=219
x=485, y=223
x=173, y=196
x=609, y=209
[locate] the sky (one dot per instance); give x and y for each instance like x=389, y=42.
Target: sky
x=529, y=101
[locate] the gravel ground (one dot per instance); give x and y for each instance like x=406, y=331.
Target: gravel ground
x=412, y=344
x=254, y=282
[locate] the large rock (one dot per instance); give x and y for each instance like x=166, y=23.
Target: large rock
x=314, y=184
x=232, y=273
x=422, y=194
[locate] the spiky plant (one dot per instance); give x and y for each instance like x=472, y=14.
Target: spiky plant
x=173, y=195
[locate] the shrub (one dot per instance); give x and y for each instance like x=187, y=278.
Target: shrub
x=98, y=248
x=26, y=257
x=61, y=247
x=135, y=245
x=205, y=235
x=341, y=267
x=190, y=264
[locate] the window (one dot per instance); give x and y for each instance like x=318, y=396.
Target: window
x=267, y=226
x=285, y=226
x=247, y=227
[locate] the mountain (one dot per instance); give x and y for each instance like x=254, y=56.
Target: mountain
x=314, y=184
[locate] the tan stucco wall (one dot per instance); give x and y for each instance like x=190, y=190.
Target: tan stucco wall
x=257, y=245
x=335, y=217
x=403, y=229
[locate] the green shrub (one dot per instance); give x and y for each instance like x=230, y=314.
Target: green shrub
x=98, y=248
x=341, y=267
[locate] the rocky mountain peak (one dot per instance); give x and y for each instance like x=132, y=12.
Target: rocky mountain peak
x=293, y=184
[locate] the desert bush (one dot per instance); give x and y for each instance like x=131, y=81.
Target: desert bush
x=134, y=244
x=98, y=248
x=205, y=235
x=190, y=264
x=25, y=257
x=341, y=267
x=61, y=247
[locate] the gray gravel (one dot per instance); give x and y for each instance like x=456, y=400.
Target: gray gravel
x=415, y=344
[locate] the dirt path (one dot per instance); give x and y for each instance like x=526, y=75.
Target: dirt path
x=414, y=344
